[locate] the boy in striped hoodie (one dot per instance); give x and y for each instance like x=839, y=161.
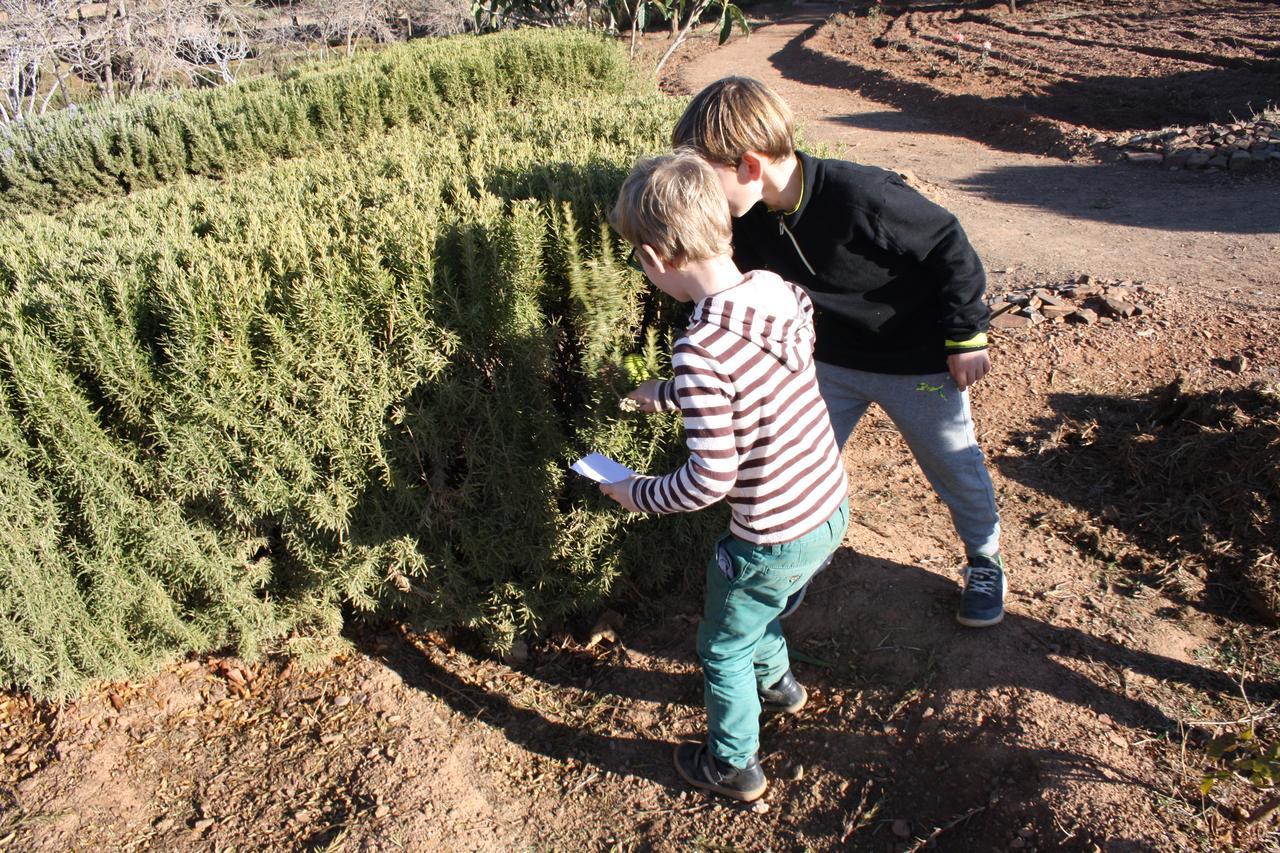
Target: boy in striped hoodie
x=758, y=435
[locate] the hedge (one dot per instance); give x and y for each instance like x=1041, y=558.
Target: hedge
x=231, y=411
x=56, y=161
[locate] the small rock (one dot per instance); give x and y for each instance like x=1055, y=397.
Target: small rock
x=1144, y=157
x=1087, y=316
x=382, y=810
x=1026, y=832
x=341, y=701
x=760, y=807
x=1239, y=161
x=164, y=824
x=902, y=828
x=795, y=772
x=302, y=816
x=1238, y=364
x=202, y=824
x=928, y=712
x=1048, y=298
x=1011, y=320
x=1118, y=307
x=1055, y=311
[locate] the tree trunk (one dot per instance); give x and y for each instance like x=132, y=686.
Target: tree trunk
x=698, y=9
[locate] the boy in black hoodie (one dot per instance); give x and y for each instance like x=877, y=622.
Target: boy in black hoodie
x=898, y=292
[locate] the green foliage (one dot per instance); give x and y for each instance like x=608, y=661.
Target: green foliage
x=231, y=411
x=1246, y=755
x=58, y=160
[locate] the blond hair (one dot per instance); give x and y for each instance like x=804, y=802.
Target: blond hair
x=675, y=204
x=735, y=115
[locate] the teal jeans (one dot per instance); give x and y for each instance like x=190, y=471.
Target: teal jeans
x=740, y=637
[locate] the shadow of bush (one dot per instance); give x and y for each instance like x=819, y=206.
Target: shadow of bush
x=1173, y=481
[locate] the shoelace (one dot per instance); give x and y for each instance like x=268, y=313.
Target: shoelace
x=983, y=580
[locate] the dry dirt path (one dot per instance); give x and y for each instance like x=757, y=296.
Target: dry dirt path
x=1215, y=231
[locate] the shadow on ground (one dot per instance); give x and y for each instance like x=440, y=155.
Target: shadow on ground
x=894, y=659
x=1190, y=480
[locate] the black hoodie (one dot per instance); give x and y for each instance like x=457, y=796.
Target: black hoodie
x=896, y=285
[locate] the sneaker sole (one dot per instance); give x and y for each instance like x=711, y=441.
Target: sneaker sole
x=741, y=796
x=979, y=623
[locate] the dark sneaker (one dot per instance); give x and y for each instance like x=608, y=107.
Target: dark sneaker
x=786, y=697
x=982, y=602
x=697, y=766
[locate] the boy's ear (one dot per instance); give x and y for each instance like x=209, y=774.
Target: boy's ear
x=651, y=258
x=751, y=166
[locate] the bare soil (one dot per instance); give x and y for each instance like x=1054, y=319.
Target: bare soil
x=1079, y=723
x=1062, y=68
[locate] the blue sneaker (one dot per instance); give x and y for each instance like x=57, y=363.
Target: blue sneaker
x=982, y=602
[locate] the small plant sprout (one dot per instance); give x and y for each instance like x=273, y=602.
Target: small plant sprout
x=986, y=54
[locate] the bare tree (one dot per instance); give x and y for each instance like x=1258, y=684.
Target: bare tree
x=32, y=35
x=346, y=21
x=435, y=17
x=210, y=40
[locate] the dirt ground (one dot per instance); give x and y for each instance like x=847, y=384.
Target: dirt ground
x=1079, y=723
x=1054, y=72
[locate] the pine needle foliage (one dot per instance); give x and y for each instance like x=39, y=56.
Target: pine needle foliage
x=56, y=161
x=234, y=411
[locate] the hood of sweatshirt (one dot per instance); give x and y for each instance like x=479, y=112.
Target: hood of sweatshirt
x=772, y=314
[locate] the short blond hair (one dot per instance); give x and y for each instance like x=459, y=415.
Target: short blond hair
x=735, y=115
x=675, y=204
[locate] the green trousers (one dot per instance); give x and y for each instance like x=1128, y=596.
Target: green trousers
x=740, y=637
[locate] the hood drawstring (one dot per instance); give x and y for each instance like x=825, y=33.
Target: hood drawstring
x=783, y=229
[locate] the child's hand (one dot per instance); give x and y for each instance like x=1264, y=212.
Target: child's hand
x=968, y=367
x=646, y=396
x=620, y=492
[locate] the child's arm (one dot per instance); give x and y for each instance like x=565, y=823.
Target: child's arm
x=705, y=397
x=909, y=224
x=655, y=395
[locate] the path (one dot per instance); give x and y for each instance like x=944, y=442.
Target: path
x=1023, y=210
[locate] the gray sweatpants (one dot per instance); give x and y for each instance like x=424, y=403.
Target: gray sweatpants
x=934, y=419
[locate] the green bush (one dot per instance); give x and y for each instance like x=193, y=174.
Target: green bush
x=230, y=411
x=59, y=160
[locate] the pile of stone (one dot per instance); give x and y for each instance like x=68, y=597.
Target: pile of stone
x=1087, y=301
x=1237, y=147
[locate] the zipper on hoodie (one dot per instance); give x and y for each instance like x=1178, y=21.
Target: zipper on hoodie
x=783, y=229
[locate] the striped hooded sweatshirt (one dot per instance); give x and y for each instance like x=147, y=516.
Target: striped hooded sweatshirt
x=757, y=430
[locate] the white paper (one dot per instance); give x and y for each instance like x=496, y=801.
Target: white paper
x=601, y=469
